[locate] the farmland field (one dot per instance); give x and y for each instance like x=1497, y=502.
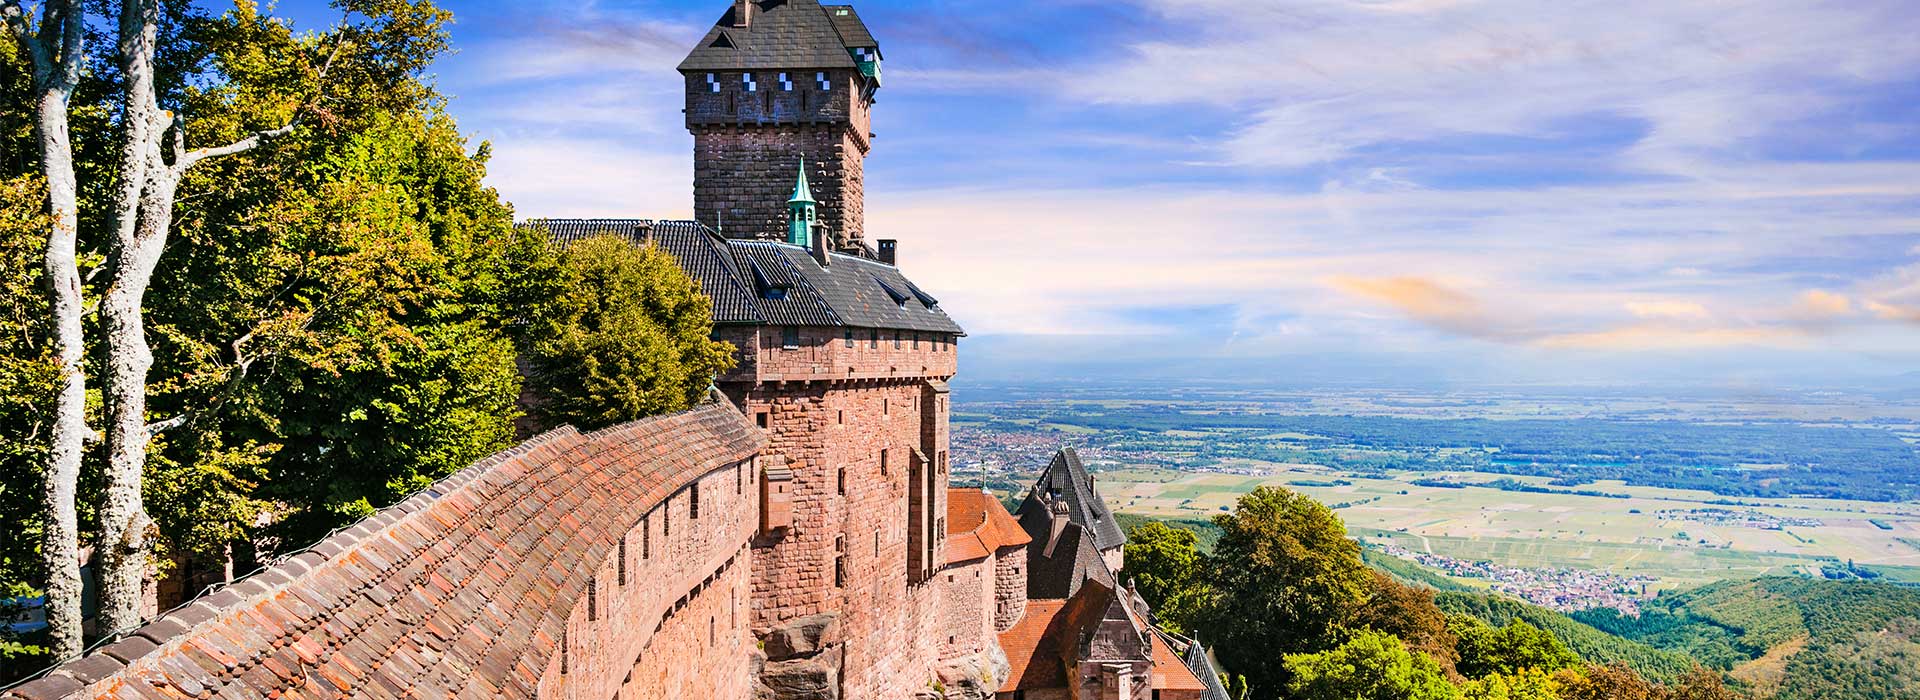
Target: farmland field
x=1549, y=530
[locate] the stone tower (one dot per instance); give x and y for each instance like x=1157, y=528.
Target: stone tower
x=772, y=82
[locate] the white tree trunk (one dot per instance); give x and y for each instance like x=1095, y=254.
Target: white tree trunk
x=142, y=216
x=56, y=53
x=122, y=552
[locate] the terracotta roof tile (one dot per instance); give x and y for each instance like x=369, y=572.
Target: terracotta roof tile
x=1033, y=656
x=414, y=601
x=978, y=525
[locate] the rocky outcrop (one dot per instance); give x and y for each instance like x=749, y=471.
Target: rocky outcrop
x=800, y=660
x=974, y=677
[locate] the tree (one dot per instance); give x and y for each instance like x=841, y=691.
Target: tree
x=1165, y=564
x=1484, y=650
x=55, y=50
x=28, y=376
x=1701, y=683
x=1369, y=665
x=625, y=338
x=1610, y=682
x=1525, y=685
x=1285, y=576
x=337, y=332
x=1408, y=612
x=303, y=255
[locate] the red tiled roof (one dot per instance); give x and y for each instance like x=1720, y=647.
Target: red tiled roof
x=1031, y=652
x=462, y=589
x=977, y=525
x=1169, y=671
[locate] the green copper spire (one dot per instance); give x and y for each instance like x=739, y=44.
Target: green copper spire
x=801, y=210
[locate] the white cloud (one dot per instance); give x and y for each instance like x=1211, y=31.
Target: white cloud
x=588, y=177
x=1322, y=79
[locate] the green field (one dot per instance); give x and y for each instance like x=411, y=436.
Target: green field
x=1546, y=530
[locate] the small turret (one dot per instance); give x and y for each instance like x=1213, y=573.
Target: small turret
x=800, y=210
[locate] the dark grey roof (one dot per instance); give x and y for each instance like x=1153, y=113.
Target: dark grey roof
x=853, y=32
x=1197, y=661
x=764, y=282
x=781, y=34
x=1073, y=563
x=1066, y=478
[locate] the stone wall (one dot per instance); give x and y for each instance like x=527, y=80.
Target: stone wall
x=504, y=580
x=748, y=144
x=826, y=354
x=853, y=423
x=1010, y=587
x=849, y=446
x=966, y=625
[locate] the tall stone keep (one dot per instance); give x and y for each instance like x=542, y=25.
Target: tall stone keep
x=775, y=81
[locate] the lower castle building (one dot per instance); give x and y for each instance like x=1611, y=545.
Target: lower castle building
x=795, y=536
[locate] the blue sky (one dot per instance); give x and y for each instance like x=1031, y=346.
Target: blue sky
x=1465, y=190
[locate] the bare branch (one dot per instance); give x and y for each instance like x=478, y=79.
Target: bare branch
x=166, y=425
x=243, y=145
x=189, y=158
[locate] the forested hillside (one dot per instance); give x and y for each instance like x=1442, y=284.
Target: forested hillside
x=1789, y=638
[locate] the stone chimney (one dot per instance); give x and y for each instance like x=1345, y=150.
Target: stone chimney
x=643, y=233
x=742, y=12
x=820, y=254
x=888, y=249
x=1058, y=510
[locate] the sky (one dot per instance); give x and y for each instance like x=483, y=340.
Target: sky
x=1455, y=191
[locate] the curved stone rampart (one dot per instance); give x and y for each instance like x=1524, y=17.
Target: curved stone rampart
x=543, y=571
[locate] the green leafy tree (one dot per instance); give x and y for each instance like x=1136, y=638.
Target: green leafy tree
x=1610, y=682
x=1531, y=684
x=27, y=380
x=1408, y=612
x=1485, y=650
x=341, y=332
x=627, y=336
x=1370, y=665
x=1165, y=564
x=1701, y=683
x=1286, y=577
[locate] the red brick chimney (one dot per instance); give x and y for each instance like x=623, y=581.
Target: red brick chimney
x=1058, y=509
x=820, y=254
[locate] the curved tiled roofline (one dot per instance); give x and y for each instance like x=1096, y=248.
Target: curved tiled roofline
x=463, y=586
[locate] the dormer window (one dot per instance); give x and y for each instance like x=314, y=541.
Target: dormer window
x=899, y=298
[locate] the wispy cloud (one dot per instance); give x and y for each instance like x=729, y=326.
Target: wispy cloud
x=1328, y=80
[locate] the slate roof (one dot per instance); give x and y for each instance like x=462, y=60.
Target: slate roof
x=771, y=283
x=1068, y=478
x=459, y=590
x=1201, y=665
x=782, y=34
x=1074, y=560
x=977, y=525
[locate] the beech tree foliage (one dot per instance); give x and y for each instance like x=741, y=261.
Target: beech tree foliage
x=305, y=301
x=626, y=335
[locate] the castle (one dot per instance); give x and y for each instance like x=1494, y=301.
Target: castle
x=794, y=537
